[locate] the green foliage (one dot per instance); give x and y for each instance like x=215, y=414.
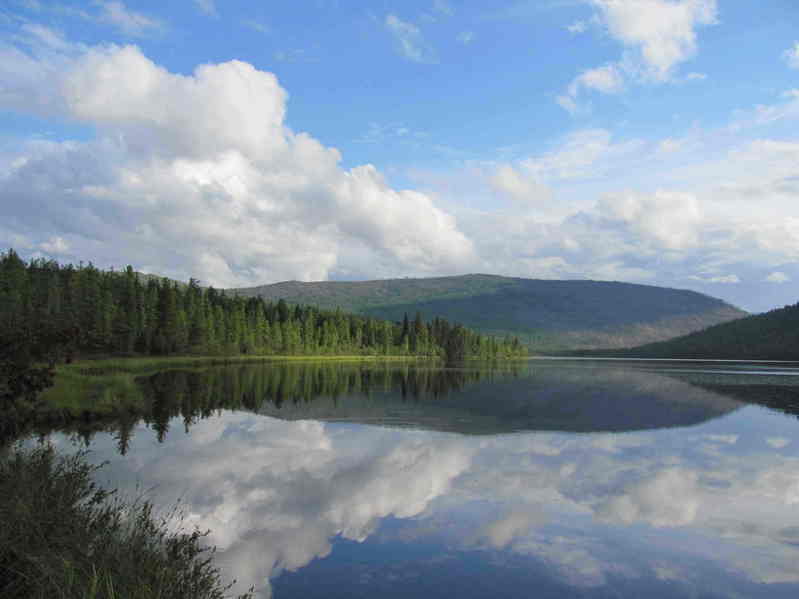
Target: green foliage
x=32, y=337
x=21, y=379
x=63, y=536
x=773, y=335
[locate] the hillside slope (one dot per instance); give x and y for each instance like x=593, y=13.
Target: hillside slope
x=546, y=314
x=773, y=335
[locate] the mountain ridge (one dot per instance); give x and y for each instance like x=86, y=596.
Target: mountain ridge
x=547, y=314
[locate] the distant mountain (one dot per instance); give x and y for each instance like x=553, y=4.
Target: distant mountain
x=547, y=315
x=773, y=335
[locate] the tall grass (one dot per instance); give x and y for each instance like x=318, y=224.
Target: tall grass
x=62, y=536
x=102, y=388
x=141, y=364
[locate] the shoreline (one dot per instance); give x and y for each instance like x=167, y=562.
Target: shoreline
x=92, y=366
x=93, y=390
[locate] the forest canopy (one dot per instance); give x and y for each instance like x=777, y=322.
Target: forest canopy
x=52, y=311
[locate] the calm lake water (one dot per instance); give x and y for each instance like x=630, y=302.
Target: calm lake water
x=550, y=478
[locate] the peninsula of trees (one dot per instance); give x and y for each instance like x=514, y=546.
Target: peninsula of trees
x=86, y=311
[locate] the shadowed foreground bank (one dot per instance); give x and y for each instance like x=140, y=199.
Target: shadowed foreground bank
x=63, y=536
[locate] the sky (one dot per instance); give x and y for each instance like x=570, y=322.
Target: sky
x=244, y=142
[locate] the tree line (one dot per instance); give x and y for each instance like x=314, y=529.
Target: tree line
x=83, y=311
x=773, y=335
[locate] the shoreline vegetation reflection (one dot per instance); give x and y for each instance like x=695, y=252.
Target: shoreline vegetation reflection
x=480, y=399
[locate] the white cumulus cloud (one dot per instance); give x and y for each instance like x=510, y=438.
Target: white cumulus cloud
x=656, y=37
x=670, y=219
x=606, y=79
x=661, y=33
x=199, y=175
x=519, y=187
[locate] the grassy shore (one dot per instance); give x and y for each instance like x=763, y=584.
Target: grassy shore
x=91, y=390
x=138, y=364
x=64, y=537
x=106, y=385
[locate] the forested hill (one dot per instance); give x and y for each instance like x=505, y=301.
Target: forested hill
x=85, y=311
x=773, y=335
x=546, y=314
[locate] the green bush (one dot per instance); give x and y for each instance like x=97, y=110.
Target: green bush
x=62, y=536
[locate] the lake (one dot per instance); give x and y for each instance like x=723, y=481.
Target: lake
x=545, y=478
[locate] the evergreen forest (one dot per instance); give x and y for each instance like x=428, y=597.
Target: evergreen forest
x=773, y=335
x=55, y=311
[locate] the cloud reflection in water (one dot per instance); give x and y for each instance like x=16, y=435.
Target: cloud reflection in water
x=708, y=506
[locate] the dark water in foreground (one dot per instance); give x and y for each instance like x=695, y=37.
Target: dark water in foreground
x=548, y=479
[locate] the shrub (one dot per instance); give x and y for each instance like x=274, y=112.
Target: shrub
x=63, y=536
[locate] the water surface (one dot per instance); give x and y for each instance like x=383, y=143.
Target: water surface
x=546, y=479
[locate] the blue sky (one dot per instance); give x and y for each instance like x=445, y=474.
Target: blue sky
x=651, y=141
